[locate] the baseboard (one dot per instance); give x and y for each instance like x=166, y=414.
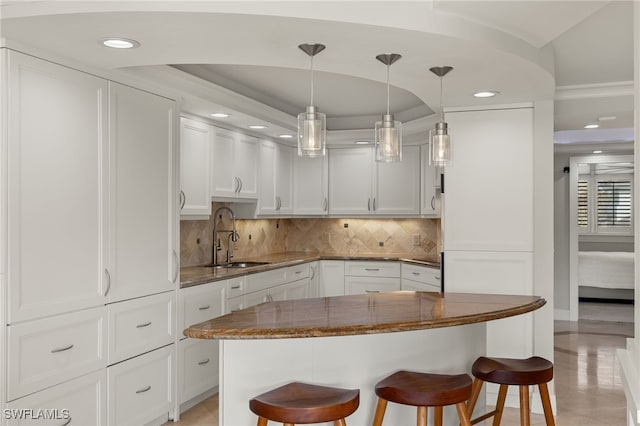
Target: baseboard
x=197, y=399
x=629, y=374
x=562, y=315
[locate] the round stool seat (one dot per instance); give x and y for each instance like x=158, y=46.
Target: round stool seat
x=305, y=403
x=508, y=371
x=424, y=389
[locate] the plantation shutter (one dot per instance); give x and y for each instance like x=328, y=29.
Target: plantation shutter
x=583, y=204
x=614, y=203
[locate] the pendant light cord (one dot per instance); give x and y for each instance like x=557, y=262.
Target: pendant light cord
x=311, y=81
x=388, y=66
x=441, y=110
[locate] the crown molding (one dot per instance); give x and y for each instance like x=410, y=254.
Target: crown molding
x=601, y=90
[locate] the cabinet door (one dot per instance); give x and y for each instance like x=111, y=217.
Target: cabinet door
x=143, y=259
x=195, y=154
x=350, y=181
x=297, y=290
x=246, y=165
x=430, y=184
x=57, y=146
x=314, y=279
x=331, y=278
x=284, y=173
x=310, y=181
x=82, y=401
x=200, y=303
x=410, y=285
x=198, y=367
x=398, y=185
x=267, y=203
x=224, y=182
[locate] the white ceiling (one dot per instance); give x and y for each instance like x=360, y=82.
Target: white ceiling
x=524, y=49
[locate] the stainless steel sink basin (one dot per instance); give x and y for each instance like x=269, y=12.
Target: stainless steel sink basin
x=236, y=265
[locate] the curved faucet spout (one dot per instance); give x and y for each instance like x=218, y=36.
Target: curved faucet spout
x=233, y=235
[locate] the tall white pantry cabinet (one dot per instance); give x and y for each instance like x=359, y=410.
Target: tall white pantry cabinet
x=89, y=263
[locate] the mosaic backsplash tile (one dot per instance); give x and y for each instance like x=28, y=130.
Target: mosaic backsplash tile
x=258, y=237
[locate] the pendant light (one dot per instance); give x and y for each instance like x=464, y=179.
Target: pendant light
x=388, y=133
x=312, y=125
x=439, y=139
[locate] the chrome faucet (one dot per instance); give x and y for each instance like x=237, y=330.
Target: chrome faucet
x=233, y=236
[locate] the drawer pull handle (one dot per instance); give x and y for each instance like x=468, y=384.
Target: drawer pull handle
x=235, y=310
x=298, y=272
x=206, y=361
x=372, y=291
x=148, y=388
x=416, y=273
x=437, y=278
x=108, y=275
x=66, y=348
x=67, y=422
x=204, y=308
x=235, y=287
x=371, y=269
x=146, y=324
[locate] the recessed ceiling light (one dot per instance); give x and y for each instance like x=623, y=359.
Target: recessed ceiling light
x=120, y=43
x=220, y=115
x=597, y=151
x=362, y=142
x=591, y=126
x=486, y=94
x=257, y=126
x=286, y=136
x=607, y=118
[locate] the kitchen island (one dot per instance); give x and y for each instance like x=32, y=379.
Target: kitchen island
x=352, y=342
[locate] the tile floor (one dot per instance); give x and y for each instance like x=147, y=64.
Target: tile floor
x=587, y=378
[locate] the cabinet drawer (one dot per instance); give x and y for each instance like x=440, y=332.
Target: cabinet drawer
x=235, y=304
x=45, y=352
x=199, y=367
x=139, y=389
x=297, y=272
x=422, y=274
x=264, y=280
x=372, y=269
x=140, y=325
x=411, y=285
x=200, y=303
x=362, y=285
x=83, y=401
x=235, y=287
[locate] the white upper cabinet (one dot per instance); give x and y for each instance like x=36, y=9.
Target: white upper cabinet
x=275, y=179
x=196, y=139
x=57, y=150
x=350, y=181
x=489, y=186
x=360, y=186
x=234, y=165
x=430, y=183
x=310, y=182
x=397, y=185
x=142, y=256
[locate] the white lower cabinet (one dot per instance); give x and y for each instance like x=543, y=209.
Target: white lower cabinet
x=198, y=371
x=80, y=401
x=140, y=325
x=139, y=389
x=200, y=303
x=371, y=277
x=420, y=278
x=45, y=352
x=331, y=278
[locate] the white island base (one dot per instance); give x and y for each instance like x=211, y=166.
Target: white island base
x=251, y=367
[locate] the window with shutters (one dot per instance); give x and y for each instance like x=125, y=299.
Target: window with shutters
x=605, y=204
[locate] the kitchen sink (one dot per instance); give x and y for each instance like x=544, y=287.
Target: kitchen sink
x=236, y=265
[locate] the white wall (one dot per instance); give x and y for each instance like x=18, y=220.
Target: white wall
x=561, y=235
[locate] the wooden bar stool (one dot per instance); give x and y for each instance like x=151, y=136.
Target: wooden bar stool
x=509, y=371
x=424, y=390
x=302, y=403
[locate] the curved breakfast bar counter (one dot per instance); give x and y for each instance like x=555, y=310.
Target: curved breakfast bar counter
x=351, y=342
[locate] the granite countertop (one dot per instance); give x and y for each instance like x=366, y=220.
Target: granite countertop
x=362, y=314
x=195, y=275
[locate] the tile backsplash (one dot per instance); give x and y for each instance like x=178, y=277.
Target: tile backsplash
x=257, y=237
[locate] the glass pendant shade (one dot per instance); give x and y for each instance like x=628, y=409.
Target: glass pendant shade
x=439, y=146
x=312, y=133
x=388, y=139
